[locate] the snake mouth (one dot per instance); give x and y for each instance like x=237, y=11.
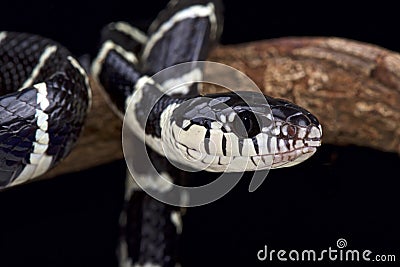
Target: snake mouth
x=282, y=159
x=294, y=157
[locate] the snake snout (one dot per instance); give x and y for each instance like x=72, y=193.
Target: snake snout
x=298, y=133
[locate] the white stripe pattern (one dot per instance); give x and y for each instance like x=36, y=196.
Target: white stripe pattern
x=106, y=47
x=133, y=32
x=50, y=50
x=196, y=11
x=77, y=66
x=3, y=35
x=39, y=161
x=181, y=85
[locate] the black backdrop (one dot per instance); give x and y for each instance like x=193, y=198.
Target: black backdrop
x=342, y=192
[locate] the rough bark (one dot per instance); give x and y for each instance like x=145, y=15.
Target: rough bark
x=353, y=88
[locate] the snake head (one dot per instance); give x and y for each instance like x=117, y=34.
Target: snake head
x=243, y=131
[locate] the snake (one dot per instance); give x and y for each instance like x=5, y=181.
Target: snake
x=229, y=132
x=45, y=97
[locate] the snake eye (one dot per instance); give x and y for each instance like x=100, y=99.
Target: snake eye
x=248, y=125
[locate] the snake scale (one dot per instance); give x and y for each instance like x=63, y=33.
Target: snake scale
x=45, y=95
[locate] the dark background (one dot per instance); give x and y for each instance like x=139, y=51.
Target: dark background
x=341, y=192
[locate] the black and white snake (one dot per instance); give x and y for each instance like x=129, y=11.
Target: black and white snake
x=45, y=97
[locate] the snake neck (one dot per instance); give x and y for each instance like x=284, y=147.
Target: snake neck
x=150, y=106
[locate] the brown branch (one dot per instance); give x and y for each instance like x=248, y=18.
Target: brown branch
x=352, y=87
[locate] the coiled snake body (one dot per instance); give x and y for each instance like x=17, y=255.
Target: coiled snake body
x=43, y=106
x=44, y=98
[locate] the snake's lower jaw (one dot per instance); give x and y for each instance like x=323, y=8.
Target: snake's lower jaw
x=292, y=158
